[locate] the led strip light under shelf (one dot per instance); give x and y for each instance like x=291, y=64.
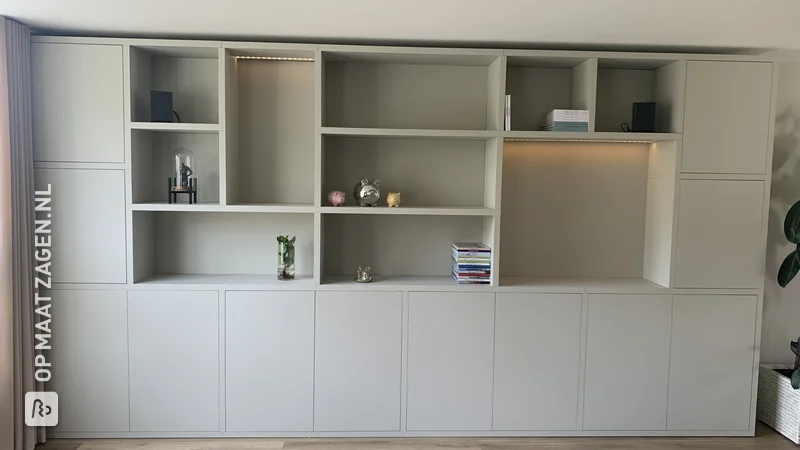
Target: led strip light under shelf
x=275, y=58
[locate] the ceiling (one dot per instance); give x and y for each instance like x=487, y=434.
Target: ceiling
x=690, y=25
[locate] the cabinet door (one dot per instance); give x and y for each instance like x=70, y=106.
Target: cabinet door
x=77, y=103
x=88, y=224
x=627, y=362
x=90, y=360
x=712, y=362
x=726, y=123
x=720, y=234
x=450, y=353
x=358, y=361
x=174, y=360
x=536, y=361
x=269, y=361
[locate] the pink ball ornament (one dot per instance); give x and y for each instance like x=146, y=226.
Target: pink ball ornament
x=336, y=198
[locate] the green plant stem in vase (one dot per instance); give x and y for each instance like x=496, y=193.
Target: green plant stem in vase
x=286, y=257
x=787, y=272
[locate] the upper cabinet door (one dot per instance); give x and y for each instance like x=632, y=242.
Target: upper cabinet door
x=88, y=223
x=77, y=97
x=727, y=117
x=720, y=234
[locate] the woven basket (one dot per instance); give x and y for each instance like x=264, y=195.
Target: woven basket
x=778, y=403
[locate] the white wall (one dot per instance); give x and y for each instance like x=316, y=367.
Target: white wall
x=782, y=306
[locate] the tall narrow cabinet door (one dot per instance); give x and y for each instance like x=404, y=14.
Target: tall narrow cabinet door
x=720, y=232
x=77, y=103
x=358, y=361
x=536, y=361
x=712, y=362
x=450, y=353
x=89, y=360
x=174, y=360
x=88, y=224
x=727, y=117
x=269, y=361
x=627, y=362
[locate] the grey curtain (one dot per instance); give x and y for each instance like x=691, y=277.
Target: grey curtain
x=16, y=238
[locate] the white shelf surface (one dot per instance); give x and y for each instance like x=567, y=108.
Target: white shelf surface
x=410, y=133
x=285, y=208
x=399, y=282
x=594, y=136
x=177, y=127
x=183, y=280
x=597, y=285
x=413, y=211
x=269, y=281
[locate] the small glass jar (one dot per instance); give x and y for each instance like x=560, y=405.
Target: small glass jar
x=183, y=170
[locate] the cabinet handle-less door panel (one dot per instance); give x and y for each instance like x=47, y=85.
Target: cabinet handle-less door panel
x=726, y=124
x=88, y=224
x=358, y=361
x=720, y=234
x=90, y=360
x=711, y=365
x=627, y=362
x=450, y=353
x=77, y=103
x=269, y=361
x=536, y=361
x=174, y=360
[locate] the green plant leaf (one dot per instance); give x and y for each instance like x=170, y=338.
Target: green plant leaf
x=796, y=379
x=795, y=346
x=788, y=269
x=281, y=239
x=791, y=226
x=291, y=241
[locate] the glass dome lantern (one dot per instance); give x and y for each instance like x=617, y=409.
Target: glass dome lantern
x=183, y=179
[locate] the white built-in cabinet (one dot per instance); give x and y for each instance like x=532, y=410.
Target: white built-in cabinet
x=269, y=362
x=711, y=362
x=627, y=362
x=357, y=361
x=89, y=359
x=450, y=353
x=727, y=117
x=720, y=234
x=537, y=361
x=77, y=103
x=88, y=224
x=174, y=360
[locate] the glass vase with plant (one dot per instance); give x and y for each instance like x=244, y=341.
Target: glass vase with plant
x=286, y=257
x=787, y=272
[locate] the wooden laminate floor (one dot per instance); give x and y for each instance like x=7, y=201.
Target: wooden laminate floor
x=765, y=439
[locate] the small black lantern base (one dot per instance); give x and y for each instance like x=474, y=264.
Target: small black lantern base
x=174, y=190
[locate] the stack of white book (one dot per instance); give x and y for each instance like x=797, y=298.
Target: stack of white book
x=566, y=120
x=472, y=263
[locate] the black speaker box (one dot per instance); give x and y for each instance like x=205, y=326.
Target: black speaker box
x=644, y=117
x=160, y=106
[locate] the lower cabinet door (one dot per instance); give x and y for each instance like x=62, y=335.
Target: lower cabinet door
x=712, y=362
x=174, y=360
x=627, y=362
x=269, y=361
x=358, y=347
x=450, y=353
x=537, y=361
x=89, y=360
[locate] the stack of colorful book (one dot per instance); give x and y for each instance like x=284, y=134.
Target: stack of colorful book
x=472, y=263
x=566, y=120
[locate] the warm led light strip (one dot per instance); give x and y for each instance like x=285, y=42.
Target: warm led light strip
x=615, y=141
x=275, y=58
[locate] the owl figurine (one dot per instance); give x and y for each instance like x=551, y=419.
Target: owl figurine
x=393, y=199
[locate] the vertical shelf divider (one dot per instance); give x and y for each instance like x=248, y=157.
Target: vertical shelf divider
x=584, y=88
x=319, y=160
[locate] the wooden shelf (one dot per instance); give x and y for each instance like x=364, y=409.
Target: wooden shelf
x=177, y=127
x=410, y=133
x=555, y=136
x=214, y=207
x=399, y=282
x=412, y=211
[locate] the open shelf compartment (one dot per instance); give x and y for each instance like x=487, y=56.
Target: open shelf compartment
x=411, y=88
x=191, y=73
x=173, y=246
x=270, y=125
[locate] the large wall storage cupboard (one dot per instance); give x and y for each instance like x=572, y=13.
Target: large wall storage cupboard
x=621, y=262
